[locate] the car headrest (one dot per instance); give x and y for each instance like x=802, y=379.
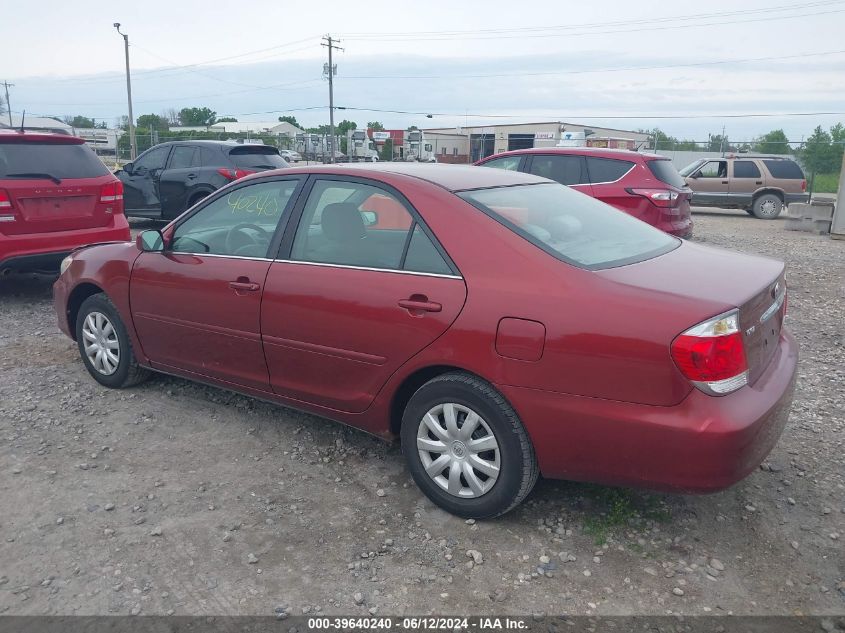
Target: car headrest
x=342, y=222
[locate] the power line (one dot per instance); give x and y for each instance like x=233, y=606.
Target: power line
x=576, y=26
x=599, y=70
x=7, y=85
x=470, y=36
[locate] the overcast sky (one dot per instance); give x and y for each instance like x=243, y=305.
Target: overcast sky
x=602, y=62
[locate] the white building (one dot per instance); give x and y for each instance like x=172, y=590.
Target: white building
x=272, y=128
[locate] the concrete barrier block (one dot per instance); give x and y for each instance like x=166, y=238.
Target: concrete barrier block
x=798, y=210
x=821, y=227
x=821, y=212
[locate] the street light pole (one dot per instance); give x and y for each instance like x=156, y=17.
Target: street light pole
x=133, y=151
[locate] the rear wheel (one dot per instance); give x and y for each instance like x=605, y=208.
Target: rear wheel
x=466, y=448
x=767, y=206
x=104, y=344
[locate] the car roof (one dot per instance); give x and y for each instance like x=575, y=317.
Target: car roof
x=8, y=135
x=451, y=177
x=601, y=152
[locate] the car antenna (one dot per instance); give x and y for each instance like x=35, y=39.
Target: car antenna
x=23, y=116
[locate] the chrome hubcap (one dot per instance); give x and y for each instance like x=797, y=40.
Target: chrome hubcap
x=101, y=345
x=458, y=450
x=769, y=207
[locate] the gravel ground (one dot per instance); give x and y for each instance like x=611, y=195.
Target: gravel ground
x=178, y=498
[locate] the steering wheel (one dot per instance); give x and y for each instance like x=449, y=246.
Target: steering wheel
x=238, y=230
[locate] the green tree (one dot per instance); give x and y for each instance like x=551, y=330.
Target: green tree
x=661, y=140
x=197, y=116
x=719, y=143
x=79, y=121
x=320, y=129
x=153, y=122
x=290, y=119
x=386, y=152
x=819, y=155
x=375, y=126
x=686, y=145
x=227, y=119
x=774, y=142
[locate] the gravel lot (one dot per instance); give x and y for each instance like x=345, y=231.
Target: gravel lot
x=179, y=498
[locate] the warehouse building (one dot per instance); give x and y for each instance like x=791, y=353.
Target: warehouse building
x=483, y=141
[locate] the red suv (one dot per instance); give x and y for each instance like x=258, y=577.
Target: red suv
x=55, y=195
x=646, y=186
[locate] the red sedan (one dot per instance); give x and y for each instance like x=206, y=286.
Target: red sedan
x=501, y=324
x=646, y=186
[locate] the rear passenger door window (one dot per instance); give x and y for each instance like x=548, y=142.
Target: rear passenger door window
x=364, y=226
x=567, y=170
x=184, y=157
x=745, y=169
x=606, y=170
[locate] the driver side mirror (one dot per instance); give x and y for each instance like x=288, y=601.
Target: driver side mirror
x=129, y=168
x=150, y=241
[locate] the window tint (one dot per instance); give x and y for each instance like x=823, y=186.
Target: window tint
x=506, y=162
x=184, y=156
x=574, y=228
x=745, y=169
x=665, y=171
x=211, y=156
x=607, y=169
x=59, y=160
x=257, y=157
x=567, y=170
x=422, y=255
x=241, y=223
x=352, y=224
x=784, y=169
x=153, y=159
x=713, y=169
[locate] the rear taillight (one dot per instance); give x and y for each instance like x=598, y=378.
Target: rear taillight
x=233, y=174
x=5, y=207
x=658, y=197
x=111, y=192
x=803, y=185
x=712, y=355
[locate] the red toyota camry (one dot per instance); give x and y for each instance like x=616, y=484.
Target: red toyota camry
x=501, y=324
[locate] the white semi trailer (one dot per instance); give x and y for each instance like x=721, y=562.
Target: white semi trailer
x=416, y=148
x=359, y=147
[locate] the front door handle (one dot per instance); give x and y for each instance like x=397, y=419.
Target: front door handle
x=759, y=182
x=724, y=182
x=420, y=303
x=191, y=176
x=243, y=284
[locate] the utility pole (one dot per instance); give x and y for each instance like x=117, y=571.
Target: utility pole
x=133, y=151
x=329, y=43
x=7, y=85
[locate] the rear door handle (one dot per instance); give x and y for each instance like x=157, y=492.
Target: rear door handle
x=759, y=182
x=724, y=182
x=243, y=284
x=420, y=305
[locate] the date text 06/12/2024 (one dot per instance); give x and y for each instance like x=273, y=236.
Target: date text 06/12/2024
x=416, y=624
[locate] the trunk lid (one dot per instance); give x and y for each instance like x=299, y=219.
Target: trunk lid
x=699, y=282
x=43, y=207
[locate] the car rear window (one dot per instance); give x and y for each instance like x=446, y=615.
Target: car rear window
x=665, y=171
x=784, y=169
x=62, y=160
x=257, y=157
x=607, y=169
x=570, y=226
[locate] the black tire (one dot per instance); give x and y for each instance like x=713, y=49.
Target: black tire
x=128, y=372
x=518, y=469
x=767, y=206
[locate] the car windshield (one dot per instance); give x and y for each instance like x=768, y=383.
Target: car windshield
x=665, y=171
x=260, y=157
x=686, y=171
x=571, y=226
x=56, y=160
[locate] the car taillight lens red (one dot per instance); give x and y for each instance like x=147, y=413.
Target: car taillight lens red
x=658, y=197
x=712, y=355
x=111, y=192
x=5, y=200
x=234, y=174
x=803, y=185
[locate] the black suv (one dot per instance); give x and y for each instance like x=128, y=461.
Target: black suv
x=171, y=177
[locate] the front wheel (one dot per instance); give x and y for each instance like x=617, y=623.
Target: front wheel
x=466, y=448
x=767, y=206
x=104, y=344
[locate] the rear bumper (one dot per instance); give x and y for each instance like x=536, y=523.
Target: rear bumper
x=703, y=444
x=789, y=198
x=45, y=251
